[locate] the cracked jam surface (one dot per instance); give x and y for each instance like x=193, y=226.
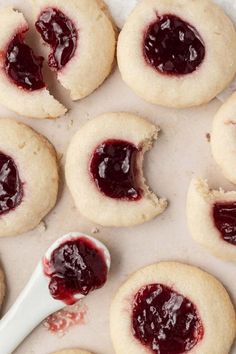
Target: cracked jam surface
x=11, y=187
x=165, y=321
x=224, y=215
x=22, y=66
x=60, y=33
x=76, y=267
x=172, y=46
x=113, y=168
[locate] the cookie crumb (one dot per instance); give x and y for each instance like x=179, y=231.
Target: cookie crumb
x=208, y=137
x=43, y=226
x=95, y=230
x=70, y=124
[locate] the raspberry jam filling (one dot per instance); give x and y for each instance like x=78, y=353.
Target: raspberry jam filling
x=172, y=46
x=76, y=267
x=165, y=321
x=113, y=168
x=22, y=66
x=224, y=215
x=11, y=187
x=59, y=32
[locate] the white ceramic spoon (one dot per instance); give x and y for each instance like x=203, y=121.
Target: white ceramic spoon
x=35, y=302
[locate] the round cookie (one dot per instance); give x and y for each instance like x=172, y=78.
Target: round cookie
x=172, y=304
x=28, y=178
x=223, y=138
x=72, y=351
x=170, y=52
x=88, y=43
x=211, y=218
x=104, y=170
x=22, y=88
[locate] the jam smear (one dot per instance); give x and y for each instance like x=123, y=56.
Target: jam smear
x=113, y=168
x=224, y=215
x=11, y=187
x=76, y=267
x=59, y=32
x=22, y=66
x=165, y=321
x=172, y=46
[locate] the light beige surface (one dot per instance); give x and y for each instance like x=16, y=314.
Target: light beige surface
x=181, y=151
x=217, y=317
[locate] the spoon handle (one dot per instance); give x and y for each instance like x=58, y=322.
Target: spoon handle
x=32, y=306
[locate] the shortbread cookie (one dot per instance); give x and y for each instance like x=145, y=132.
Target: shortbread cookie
x=28, y=178
x=170, y=52
x=82, y=41
x=212, y=218
x=172, y=308
x=223, y=138
x=22, y=88
x=104, y=170
x=72, y=351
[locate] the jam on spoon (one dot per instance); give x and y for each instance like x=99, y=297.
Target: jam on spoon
x=76, y=267
x=164, y=321
x=113, y=168
x=60, y=33
x=11, y=187
x=172, y=46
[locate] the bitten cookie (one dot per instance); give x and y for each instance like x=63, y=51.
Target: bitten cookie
x=72, y=351
x=170, y=52
x=28, y=178
x=104, y=170
x=212, y=218
x=223, y=138
x=82, y=41
x=22, y=88
x=172, y=308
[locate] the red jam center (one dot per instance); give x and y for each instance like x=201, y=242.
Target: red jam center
x=11, y=188
x=76, y=267
x=165, y=321
x=172, y=46
x=22, y=66
x=225, y=220
x=60, y=33
x=113, y=167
